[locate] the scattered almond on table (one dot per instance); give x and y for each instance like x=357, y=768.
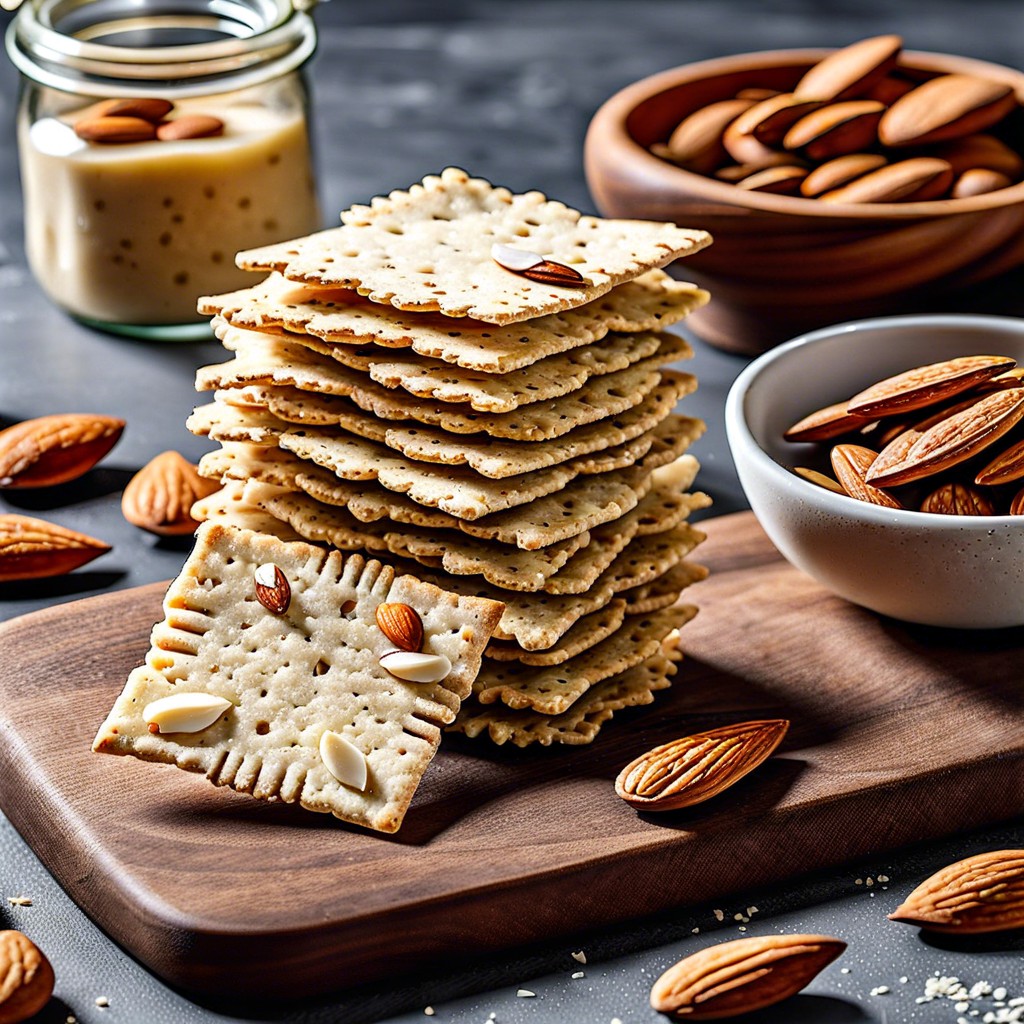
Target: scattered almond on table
x=50, y=450
x=856, y=128
x=159, y=498
x=26, y=978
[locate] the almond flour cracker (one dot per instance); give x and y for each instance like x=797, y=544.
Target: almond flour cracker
x=290, y=678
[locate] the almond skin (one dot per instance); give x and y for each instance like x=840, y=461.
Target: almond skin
x=401, y=624
x=34, y=548
x=26, y=978
x=851, y=464
x=51, y=450
x=160, y=496
x=695, y=768
x=742, y=975
x=983, y=893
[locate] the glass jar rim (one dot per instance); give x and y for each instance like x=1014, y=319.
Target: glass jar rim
x=263, y=39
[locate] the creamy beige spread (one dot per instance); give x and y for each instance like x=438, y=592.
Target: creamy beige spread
x=134, y=233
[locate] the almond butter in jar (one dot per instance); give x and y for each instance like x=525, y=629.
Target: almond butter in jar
x=156, y=140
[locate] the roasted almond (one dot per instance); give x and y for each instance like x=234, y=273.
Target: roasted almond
x=26, y=978
x=696, y=142
x=745, y=149
x=955, y=438
x=190, y=126
x=769, y=120
x=979, y=181
x=1017, y=503
x=825, y=424
x=737, y=172
x=34, y=548
x=851, y=464
x=273, y=590
x=956, y=499
x=756, y=93
x=51, y=450
x=695, y=768
x=848, y=73
x=946, y=107
x=401, y=624
x=839, y=128
x=743, y=975
x=835, y=173
x=980, y=151
x=150, y=109
x=784, y=180
x=983, y=893
x=113, y=131
x=915, y=180
x=926, y=385
x=1006, y=467
x=159, y=498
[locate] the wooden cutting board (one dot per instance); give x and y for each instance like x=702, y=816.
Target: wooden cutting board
x=899, y=734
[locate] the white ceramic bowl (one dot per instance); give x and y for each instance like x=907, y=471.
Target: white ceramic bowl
x=954, y=571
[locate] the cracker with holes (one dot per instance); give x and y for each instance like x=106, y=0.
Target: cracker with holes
x=445, y=245
x=294, y=673
x=331, y=318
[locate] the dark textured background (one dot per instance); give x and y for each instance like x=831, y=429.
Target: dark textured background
x=402, y=89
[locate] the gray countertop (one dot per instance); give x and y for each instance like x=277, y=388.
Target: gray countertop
x=404, y=88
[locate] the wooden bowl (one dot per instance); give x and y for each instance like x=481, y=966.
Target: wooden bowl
x=782, y=265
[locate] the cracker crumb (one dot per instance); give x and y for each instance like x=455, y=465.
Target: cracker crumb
x=880, y=990
x=751, y=911
x=742, y=928
x=615, y=1020
x=904, y=979
x=579, y=956
x=577, y=974
x=695, y=931
x=719, y=915
x=883, y=878
x=525, y=993
x=20, y=901
x=844, y=970
x=102, y=1001
x=428, y=1011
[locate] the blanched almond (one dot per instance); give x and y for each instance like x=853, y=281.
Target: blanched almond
x=415, y=667
x=184, y=712
x=851, y=71
x=345, y=761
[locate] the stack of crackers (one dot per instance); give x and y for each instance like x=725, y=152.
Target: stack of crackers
x=474, y=388
x=395, y=389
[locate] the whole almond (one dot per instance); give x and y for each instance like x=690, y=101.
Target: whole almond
x=26, y=978
x=889, y=89
x=837, y=129
x=851, y=464
x=915, y=180
x=926, y=385
x=190, y=126
x=742, y=975
x=783, y=180
x=769, y=120
x=756, y=93
x=983, y=893
x=113, y=131
x=150, y=109
x=850, y=72
x=34, y=548
x=273, y=590
x=160, y=496
x=946, y=107
x=980, y=151
x=824, y=424
x=840, y=171
x=696, y=143
x=956, y=499
x=1006, y=467
x=955, y=439
x=51, y=450
x=979, y=181
x=771, y=158
x=745, y=149
x=401, y=624
x=695, y=768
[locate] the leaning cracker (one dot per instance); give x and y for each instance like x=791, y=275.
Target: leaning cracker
x=579, y=724
x=430, y=249
x=590, y=630
x=553, y=690
x=342, y=317
x=290, y=677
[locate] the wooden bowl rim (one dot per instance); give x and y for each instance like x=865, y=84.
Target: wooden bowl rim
x=611, y=117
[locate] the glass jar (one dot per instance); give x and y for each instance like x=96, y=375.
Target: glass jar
x=125, y=235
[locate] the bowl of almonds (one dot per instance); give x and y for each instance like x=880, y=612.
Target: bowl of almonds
x=894, y=477
x=837, y=184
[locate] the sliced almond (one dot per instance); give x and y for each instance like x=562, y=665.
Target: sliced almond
x=34, y=548
x=954, y=439
x=926, y=385
x=535, y=267
x=695, y=768
x=52, y=450
x=1004, y=468
x=956, y=499
x=696, y=142
x=346, y=762
x=850, y=72
x=814, y=477
x=743, y=975
x=979, y=181
x=983, y=893
x=946, y=107
x=824, y=424
x=840, y=171
x=401, y=624
x=851, y=464
x=273, y=590
x=784, y=180
x=115, y=131
x=190, y=126
x=184, y=712
x=906, y=181
x=159, y=498
x=837, y=129
x=416, y=667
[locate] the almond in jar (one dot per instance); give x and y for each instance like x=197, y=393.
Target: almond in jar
x=147, y=161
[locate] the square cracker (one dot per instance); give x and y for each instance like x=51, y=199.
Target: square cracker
x=291, y=677
x=430, y=249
